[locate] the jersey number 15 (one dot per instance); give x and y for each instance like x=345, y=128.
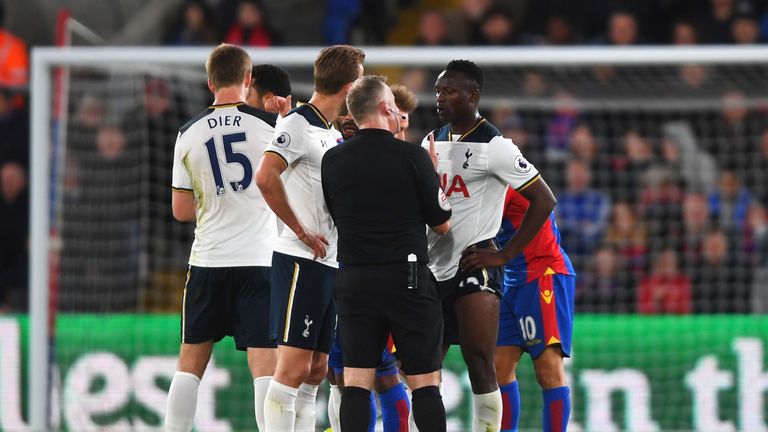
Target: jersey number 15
x=232, y=157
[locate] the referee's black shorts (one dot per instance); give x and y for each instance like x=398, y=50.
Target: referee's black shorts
x=373, y=301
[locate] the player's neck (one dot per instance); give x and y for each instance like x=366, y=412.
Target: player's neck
x=228, y=95
x=464, y=124
x=328, y=105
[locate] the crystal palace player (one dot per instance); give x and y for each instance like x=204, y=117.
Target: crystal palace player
x=227, y=289
x=536, y=315
x=476, y=165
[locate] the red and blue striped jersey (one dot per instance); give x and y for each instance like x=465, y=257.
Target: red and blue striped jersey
x=542, y=253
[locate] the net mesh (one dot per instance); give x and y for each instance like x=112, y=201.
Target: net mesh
x=660, y=174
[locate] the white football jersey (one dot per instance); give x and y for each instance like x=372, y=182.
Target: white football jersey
x=474, y=169
x=301, y=139
x=215, y=158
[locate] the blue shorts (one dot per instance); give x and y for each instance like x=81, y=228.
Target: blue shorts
x=538, y=314
x=222, y=301
x=303, y=312
x=387, y=366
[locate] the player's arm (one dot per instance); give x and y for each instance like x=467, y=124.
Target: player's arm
x=183, y=205
x=272, y=189
x=542, y=201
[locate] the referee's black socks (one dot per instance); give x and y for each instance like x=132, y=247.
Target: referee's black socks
x=355, y=411
x=428, y=409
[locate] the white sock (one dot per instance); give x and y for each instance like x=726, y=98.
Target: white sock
x=306, y=411
x=182, y=402
x=280, y=407
x=334, y=404
x=260, y=386
x=486, y=411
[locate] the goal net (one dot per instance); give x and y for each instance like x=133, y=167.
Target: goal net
x=658, y=158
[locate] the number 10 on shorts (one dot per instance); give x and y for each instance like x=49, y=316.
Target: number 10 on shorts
x=528, y=328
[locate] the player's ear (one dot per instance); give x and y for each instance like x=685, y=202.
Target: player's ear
x=345, y=89
x=248, y=77
x=210, y=87
x=474, y=96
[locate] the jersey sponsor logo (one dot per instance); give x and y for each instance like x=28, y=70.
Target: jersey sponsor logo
x=457, y=185
x=307, y=322
x=547, y=296
x=467, y=155
x=443, y=200
x=522, y=165
x=283, y=140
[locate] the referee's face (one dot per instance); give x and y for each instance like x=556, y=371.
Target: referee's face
x=456, y=97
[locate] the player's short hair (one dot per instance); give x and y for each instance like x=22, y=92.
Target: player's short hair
x=335, y=67
x=227, y=65
x=270, y=78
x=364, y=96
x=405, y=100
x=469, y=69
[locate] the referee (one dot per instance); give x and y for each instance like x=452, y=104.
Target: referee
x=381, y=192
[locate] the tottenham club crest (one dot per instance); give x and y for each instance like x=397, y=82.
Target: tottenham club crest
x=307, y=322
x=467, y=155
x=282, y=141
x=522, y=165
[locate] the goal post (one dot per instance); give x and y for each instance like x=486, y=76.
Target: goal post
x=46, y=60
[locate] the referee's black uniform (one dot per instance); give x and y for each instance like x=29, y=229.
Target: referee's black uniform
x=381, y=193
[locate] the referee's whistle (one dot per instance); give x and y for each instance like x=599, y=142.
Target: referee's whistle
x=413, y=271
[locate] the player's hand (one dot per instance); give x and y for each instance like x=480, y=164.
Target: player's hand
x=316, y=241
x=432, y=151
x=278, y=104
x=476, y=258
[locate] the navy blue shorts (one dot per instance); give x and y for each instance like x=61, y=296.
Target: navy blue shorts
x=462, y=284
x=303, y=313
x=227, y=301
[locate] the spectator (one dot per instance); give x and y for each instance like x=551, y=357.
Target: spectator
x=560, y=127
x=14, y=60
x=622, y=29
x=606, y=285
x=721, y=279
x=193, y=26
x=745, y=30
x=729, y=204
x=729, y=137
x=582, y=212
x=152, y=126
x=14, y=130
x=14, y=252
x=433, y=30
x=250, y=27
x=534, y=84
x=661, y=204
x=681, y=153
x=495, y=28
x=666, y=290
x=628, y=168
x=696, y=223
x=758, y=228
x=559, y=31
x=628, y=237
x=585, y=146
x=340, y=18
x=717, y=22
x=757, y=171
x=684, y=33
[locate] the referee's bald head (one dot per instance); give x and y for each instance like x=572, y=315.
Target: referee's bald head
x=365, y=95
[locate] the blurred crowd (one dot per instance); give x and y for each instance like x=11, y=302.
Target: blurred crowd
x=661, y=211
x=480, y=22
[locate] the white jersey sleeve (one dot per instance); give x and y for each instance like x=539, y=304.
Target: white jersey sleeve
x=289, y=141
x=180, y=179
x=506, y=162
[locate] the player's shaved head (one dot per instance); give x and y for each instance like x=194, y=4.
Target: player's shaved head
x=227, y=65
x=337, y=66
x=365, y=95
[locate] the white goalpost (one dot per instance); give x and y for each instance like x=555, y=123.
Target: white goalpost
x=46, y=60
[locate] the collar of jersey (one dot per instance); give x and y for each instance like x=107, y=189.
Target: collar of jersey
x=229, y=105
x=318, y=114
x=469, y=132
